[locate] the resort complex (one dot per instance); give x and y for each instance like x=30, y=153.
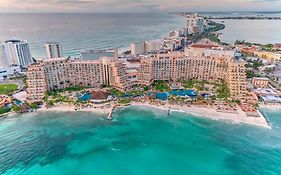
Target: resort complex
x=188, y=68
x=61, y=73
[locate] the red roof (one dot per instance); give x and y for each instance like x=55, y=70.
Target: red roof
x=277, y=45
x=99, y=95
x=203, y=46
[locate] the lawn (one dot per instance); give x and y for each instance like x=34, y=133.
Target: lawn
x=8, y=88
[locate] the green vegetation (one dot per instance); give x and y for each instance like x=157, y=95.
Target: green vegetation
x=246, y=43
x=161, y=86
x=136, y=93
x=8, y=88
x=16, y=108
x=125, y=101
x=214, y=38
x=208, y=33
x=188, y=84
x=33, y=106
x=266, y=47
x=145, y=88
x=254, y=64
x=50, y=103
x=251, y=74
x=257, y=64
x=117, y=93
x=4, y=110
x=222, y=90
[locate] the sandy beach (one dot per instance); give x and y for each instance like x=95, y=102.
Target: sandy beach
x=72, y=108
x=239, y=117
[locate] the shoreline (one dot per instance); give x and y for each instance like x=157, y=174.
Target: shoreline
x=210, y=113
x=72, y=108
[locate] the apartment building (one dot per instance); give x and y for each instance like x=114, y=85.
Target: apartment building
x=36, y=81
x=236, y=78
x=60, y=73
x=176, y=66
x=54, y=50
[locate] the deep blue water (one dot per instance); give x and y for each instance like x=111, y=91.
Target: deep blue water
x=138, y=141
x=78, y=32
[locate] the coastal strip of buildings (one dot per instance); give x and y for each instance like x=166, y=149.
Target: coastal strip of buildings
x=199, y=62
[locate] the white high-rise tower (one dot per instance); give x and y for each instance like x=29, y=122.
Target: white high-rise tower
x=195, y=23
x=54, y=50
x=15, y=52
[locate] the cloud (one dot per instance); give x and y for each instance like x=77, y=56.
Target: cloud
x=257, y=1
x=136, y=5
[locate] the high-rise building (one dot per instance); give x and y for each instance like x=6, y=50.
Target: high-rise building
x=54, y=50
x=195, y=23
x=137, y=48
x=176, y=66
x=152, y=46
x=36, y=82
x=236, y=78
x=15, y=52
x=3, y=57
x=60, y=73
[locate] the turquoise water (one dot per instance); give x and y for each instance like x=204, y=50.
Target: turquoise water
x=85, y=97
x=138, y=141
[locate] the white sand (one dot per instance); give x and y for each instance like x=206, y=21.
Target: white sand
x=71, y=108
x=239, y=117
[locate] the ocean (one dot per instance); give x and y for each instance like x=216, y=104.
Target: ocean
x=78, y=32
x=137, y=141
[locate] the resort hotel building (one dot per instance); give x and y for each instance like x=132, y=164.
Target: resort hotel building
x=197, y=62
x=195, y=23
x=60, y=73
x=54, y=50
x=15, y=52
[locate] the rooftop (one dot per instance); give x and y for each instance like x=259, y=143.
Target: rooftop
x=271, y=98
x=261, y=78
x=99, y=95
x=203, y=46
x=15, y=41
x=54, y=59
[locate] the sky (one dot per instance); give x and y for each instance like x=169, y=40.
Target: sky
x=99, y=6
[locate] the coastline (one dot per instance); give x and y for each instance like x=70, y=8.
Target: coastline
x=72, y=108
x=210, y=113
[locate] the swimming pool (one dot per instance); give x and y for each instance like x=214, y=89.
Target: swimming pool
x=85, y=97
x=182, y=92
x=164, y=95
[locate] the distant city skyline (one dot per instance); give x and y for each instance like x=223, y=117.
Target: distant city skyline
x=100, y=6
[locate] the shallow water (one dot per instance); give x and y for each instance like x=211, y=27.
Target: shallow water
x=137, y=141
